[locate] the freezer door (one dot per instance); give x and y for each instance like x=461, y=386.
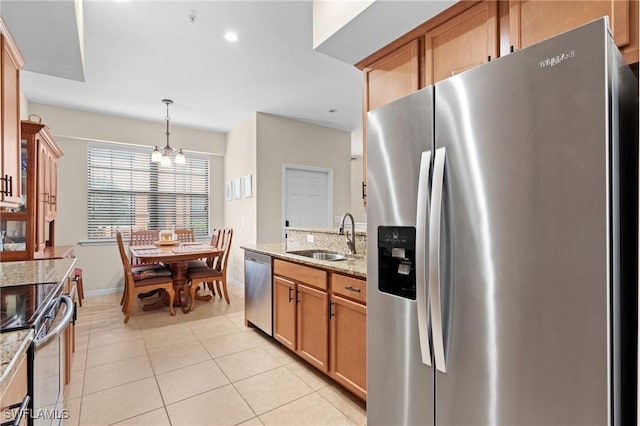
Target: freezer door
x=399, y=381
x=524, y=236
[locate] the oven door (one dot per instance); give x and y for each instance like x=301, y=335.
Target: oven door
x=48, y=365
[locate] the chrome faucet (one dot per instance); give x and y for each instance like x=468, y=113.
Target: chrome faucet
x=351, y=242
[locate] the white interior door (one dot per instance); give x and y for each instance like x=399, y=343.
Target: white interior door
x=308, y=198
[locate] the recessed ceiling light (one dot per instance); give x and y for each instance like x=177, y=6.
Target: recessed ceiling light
x=231, y=36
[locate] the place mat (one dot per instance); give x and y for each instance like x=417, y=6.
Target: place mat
x=153, y=250
x=144, y=247
x=191, y=249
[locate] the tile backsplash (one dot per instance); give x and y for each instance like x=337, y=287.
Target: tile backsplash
x=324, y=239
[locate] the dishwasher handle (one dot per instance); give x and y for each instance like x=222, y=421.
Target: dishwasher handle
x=58, y=329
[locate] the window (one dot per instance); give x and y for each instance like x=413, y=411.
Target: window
x=126, y=191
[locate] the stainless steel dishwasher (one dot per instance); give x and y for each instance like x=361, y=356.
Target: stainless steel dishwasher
x=258, y=291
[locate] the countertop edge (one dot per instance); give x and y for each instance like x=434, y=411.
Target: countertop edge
x=355, y=268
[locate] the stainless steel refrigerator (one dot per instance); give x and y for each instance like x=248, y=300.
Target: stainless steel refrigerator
x=502, y=242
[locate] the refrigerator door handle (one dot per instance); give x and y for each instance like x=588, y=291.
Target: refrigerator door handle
x=421, y=256
x=434, y=259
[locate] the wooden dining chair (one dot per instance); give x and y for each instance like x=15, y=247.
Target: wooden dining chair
x=151, y=278
x=217, y=238
x=185, y=235
x=143, y=238
x=216, y=271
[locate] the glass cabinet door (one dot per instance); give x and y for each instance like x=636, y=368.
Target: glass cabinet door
x=13, y=235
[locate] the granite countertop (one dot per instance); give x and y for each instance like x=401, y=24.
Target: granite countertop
x=12, y=345
x=35, y=271
x=356, y=266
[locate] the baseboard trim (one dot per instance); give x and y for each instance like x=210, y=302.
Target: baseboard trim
x=103, y=291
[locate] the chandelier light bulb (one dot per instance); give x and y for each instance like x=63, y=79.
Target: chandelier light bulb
x=156, y=155
x=180, y=157
x=166, y=161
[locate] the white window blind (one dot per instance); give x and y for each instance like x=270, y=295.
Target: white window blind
x=127, y=191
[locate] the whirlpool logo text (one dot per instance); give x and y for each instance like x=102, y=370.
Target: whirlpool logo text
x=556, y=60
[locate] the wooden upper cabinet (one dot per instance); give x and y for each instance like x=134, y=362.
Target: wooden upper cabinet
x=10, y=171
x=392, y=76
x=462, y=42
x=531, y=21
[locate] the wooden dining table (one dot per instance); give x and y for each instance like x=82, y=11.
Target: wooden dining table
x=177, y=257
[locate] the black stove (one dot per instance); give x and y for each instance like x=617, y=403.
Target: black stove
x=26, y=306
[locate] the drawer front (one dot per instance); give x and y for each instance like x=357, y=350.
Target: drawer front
x=304, y=274
x=350, y=287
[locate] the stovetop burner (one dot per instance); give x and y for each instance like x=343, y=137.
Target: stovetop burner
x=23, y=306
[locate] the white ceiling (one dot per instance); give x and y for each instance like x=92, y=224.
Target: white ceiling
x=139, y=52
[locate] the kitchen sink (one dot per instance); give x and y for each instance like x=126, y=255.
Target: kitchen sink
x=320, y=255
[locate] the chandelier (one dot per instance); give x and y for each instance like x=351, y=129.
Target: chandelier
x=162, y=156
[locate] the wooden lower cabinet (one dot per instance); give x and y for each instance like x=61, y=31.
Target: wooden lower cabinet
x=349, y=345
x=313, y=326
x=324, y=325
x=284, y=312
x=300, y=317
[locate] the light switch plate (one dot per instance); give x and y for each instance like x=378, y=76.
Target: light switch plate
x=310, y=238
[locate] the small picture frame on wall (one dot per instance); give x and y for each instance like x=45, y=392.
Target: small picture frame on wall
x=236, y=188
x=227, y=191
x=246, y=181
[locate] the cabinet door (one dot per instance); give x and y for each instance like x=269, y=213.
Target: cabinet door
x=10, y=120
x=393, y=76
x=531, y=21
x=42, y=197
x=313, y=326
x=284, y=312
x=53, y=199
x=465, y=41
x=50, y=186
x=349, y=345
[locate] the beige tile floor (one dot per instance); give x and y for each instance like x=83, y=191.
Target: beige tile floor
x=201, y=368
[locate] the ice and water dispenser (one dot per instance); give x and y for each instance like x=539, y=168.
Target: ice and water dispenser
x=397, y=260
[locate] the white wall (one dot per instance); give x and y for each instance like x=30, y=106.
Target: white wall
x=241, y=215
x=102, y=269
